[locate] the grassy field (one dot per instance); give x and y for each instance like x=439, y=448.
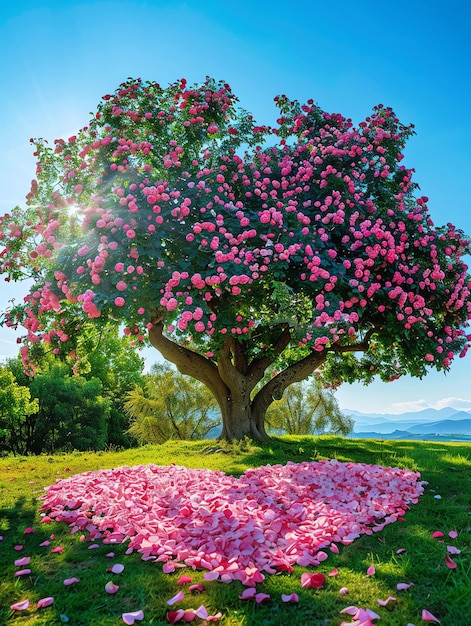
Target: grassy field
x=445, y=506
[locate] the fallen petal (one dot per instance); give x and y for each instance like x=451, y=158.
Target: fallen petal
x=214, y=618
x=57, y=549
x=450, y=563
x=453, y=534
x=248, y=593
x=184, y=579
x=196, y=587
x=293, y=597
x=202, y=612
x=428, y=617
x=387, y=601
x=371, y=570
x=24, y=561
x=437, y=534
x=401, y=551
x=117, y=568
x=45, y=602
x=70, y=581
x=23, y=572
x=453, y=550
x=130, y=618
x=110, y=587
x=177, y=598
x=18, y=547
x=28, y=531
x=175, y=616
x=404, y=586
x=262, y=597
x=189, y=615
x=334, y=572
x=20, y=606
x=343, y=591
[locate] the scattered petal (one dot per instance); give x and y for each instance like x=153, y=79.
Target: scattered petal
x=184, y=579
x=262, y=597
x=343, y=591
x=57, y=549
x=28, y=531
x=401, y=551
x=196, y=587
x=71, y=581
x=453, y=550
x=45, y=543
x=45, y=602
x=334, y=572
x=110, y=587
x=428, y=617
x=293, y=597
x=404, y=586
x=24, y=561
x=177, y=598
x=117, y=568
x=437, y=534
x=130, y=618
x=18, y=547
x=387, y=601
x=175, y=616
x=202, y=612
x=312, y=580
x=168, y=567
x=93, y=546
x=371, y=570
x=110, y=555
x=248, y=594
x=453, y=534
x=450, y=563
x=20, y=606
x=23, y=572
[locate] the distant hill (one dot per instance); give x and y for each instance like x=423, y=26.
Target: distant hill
x=444, y=424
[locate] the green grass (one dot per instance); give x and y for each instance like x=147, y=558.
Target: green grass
x=444, y=592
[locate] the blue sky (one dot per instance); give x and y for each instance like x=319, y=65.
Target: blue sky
x=60, y=57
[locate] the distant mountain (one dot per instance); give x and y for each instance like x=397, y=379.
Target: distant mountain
x=443, y=424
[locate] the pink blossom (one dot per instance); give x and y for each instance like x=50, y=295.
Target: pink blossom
x=119, y=301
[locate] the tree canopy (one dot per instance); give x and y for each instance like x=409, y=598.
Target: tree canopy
x=237, y=248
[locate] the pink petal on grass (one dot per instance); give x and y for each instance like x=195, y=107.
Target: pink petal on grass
x=214, y=618
x=293, y=597
x=133, y=616
x=18, y=547
x=453, y=534
x=404, y=586
x=57, y=549
x=248, y=594
x=387, y=601
x=93, y=546
x=45, y=602
x=371, y=570
x=262, y=597
x=343, y=591
x=28, y=531
x=177, y=598
x=110, y=587
x=20, y=606
x=453, y=550
x=450, y=563
x=168, y=567
x=312, y=580
x=401, y=551
x=184, y=579
x=45, y=543
x=71, y=581
x=437, y=534
x=334, y=572
x=428, y=617
x=110, y=555
x=196, y=587
x=117, y=568
x=175, y=616
x=23, y=572
x=24, y=561
x=189, y=615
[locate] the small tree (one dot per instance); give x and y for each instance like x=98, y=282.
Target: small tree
x=311, y=246
x=17, y=414
x=170, y=406
x=308, y=408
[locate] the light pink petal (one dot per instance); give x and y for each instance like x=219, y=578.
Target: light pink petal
x=57, y=550
x=110, y=555
x=45, y=543
x=117, y=568
x=334, y=572
x=20, y=606
x=262, y=597
x=343, y=591
x=334, y=548
x=45, y=602
x=201, y=612
x=404, y=586
x=387, y=601
x=350, y=610
x=93, y=546
x=453, y=534
x=111, y=588
x=177, y=598
x=211, y=575
x=371, y=570
x=453, y=550
x=437, y=534
x=450, y=563
x=293, y=597
x=196, y=587
x=189, y=615
x=401, y=551
x=24, y=561
x=71, y=581
x=248, y=594
x=18, y=547
x=428, y=617
x=28, y=531
x=168, y=567
x=130, y=618
x=23, y=572
x=214, y=618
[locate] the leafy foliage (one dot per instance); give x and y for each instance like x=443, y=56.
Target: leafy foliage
x=169, y=406
x=308, y=408
x=17, y=414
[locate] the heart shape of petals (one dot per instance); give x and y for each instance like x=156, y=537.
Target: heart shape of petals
x=269, y=519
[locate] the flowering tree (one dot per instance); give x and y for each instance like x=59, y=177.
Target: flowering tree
x=238, y=249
